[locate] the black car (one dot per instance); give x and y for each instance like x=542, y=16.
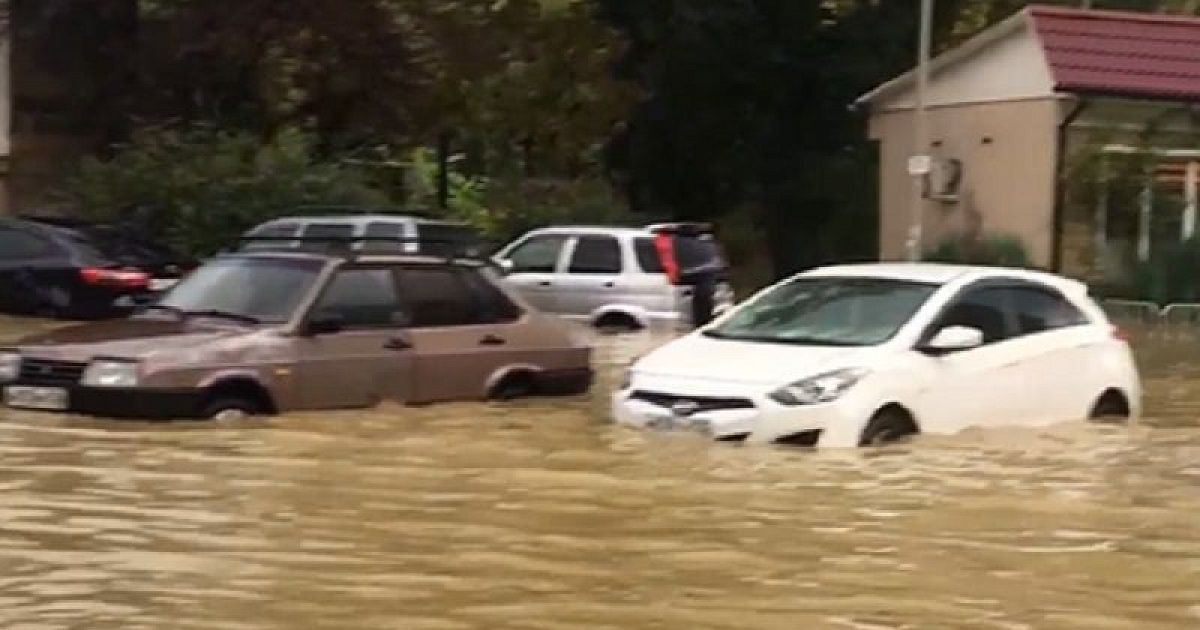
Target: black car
x=69, y=268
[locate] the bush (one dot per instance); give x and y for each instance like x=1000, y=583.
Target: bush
x=198, y=188
x=999, y=250
x=1172, y=275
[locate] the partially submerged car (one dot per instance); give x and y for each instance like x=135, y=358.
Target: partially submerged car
x=619, y=278
x=865, y=354
x=366, y=231
x=69, y=268
x=273, y=331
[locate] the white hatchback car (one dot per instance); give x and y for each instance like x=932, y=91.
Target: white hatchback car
x=864, y=354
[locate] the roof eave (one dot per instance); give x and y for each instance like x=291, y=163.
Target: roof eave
x=980, y=41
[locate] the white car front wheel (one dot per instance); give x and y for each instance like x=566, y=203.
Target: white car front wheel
x=889, y=424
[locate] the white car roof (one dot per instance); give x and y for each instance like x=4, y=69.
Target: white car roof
x=940, y=274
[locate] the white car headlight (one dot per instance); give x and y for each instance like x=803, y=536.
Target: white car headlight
x=10, y=366
x=821, y=388
x=109, y=373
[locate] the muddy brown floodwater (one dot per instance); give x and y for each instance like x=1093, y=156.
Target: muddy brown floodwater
x=543, y=515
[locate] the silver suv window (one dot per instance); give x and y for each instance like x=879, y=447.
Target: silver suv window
x=596, y=255
x=538, y=254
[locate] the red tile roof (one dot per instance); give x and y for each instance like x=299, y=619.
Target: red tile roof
x=1121, y=53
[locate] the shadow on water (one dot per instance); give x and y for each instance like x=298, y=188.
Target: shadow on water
x=541, y=514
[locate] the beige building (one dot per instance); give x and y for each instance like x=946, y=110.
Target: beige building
x=1076, y=131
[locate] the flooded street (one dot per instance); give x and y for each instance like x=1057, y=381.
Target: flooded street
x=543, y=515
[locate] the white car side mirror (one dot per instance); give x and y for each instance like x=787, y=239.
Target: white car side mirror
x=505, y=265
x=955, y=338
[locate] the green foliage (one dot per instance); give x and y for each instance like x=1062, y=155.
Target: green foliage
x=1172, y=275
x=1000, y=250
x=198, y=187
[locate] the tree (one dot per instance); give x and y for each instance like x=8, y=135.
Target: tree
x=744, y=108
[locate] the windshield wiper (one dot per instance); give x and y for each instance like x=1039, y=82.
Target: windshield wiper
x=248, y=319
x=792, y=341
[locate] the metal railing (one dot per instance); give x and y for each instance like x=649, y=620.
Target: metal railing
x=1181, y=319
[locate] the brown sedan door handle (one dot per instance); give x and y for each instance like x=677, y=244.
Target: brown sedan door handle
x=492, y=340
x=396, y=343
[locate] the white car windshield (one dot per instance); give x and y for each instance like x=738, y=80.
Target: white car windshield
x=254, y=289
x=827, y=311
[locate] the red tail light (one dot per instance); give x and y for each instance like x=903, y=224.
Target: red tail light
x=666, y=253
x=123, y=278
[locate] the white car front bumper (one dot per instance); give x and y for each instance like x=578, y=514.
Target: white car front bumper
x=747, y=415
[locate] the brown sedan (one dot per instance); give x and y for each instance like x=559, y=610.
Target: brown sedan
x=262, y=333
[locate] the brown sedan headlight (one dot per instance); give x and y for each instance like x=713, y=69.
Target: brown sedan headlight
x=110, y=373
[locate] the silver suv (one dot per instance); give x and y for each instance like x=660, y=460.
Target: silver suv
x=619, y=278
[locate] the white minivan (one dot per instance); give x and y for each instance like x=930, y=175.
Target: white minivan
x=864, y=354
x=617, y=277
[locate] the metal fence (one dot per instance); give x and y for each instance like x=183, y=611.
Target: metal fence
x=1182, y=319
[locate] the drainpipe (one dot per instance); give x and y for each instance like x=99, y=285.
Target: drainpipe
x=1060, y=188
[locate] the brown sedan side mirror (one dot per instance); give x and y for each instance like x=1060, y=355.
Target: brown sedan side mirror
x=324, y=324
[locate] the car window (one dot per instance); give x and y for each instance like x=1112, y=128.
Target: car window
x=362, y=298
x=17, y=244
x=436, y=296
x=271, y=231
x=329, y=230
x=1039, y=310
x=832, y=311
x=697, y=252
x=384, y=230
x=491, y=304
x=538, y=254
x=443, y=239
x=276, y=229
x=337, y=233
x=121, y=245
x=983, y=309
x=596, y=255
x=647, y=255
x=266, y=289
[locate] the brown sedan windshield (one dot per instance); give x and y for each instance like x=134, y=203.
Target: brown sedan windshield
x=263, y=289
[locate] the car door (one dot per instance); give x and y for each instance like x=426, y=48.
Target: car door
x=1055, y=372
x=982, y=385
x=459, y=342
x=371, y=358
x=593, y=277
x=534, y=271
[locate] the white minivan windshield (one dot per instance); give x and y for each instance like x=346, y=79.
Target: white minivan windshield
x=827, y=311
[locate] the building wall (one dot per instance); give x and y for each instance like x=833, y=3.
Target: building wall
x=1010, y=67
x=1008, y=151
